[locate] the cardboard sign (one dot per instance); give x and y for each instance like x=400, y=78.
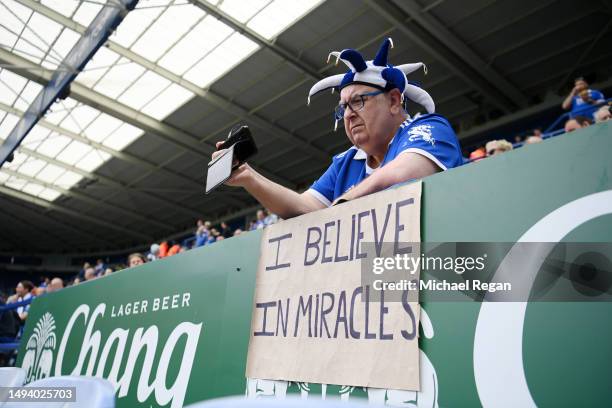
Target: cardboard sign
x=314, y=319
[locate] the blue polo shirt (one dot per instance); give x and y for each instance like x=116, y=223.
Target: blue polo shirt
x=428, y=135
x=580, y=107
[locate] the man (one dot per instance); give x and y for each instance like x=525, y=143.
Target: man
x=55, y=285
x=602, y=114
x=90, y=273
x=23, y=291
x=260, y=219
x=582, y=100
x=151, y=256
x=137, y=259
x=389, y=147
x=495, y=147
x=99, y=267
x=576, y=123
x=533, y=139
x=226, y=231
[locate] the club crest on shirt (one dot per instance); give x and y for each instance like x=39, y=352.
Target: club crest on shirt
x=421, y=132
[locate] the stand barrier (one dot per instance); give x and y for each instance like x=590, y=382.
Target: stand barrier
x=176, y=331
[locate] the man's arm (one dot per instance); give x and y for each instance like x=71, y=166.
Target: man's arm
x=598, y=97
x=404, y=167
x=567, y=102
x=278, y=199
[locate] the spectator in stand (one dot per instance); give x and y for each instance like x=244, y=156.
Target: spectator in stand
x=237, y=232
x=576, y=123
x=584, y=121
x=174, y=249
x=152, y=255
x=518, y=139
x=220, y=238
x=163, y=250
x=259, y=221
x=44, y=282
x=533, y=139
x=478, y=154
x=537, y=132
x=23, y=291
x=271, y=218
x=99, y=267
x=253, y=225
x=183, y=249
x=81, y=274
x=226, y=231
x=572, y=125
x=497, y=147
x=602, y=114
x=108, y=271
x=90, y=274
x=202, y=233
x=212, y=236
x=373, y=95
x=55, y=285
x=582, y=100
x=136, y=259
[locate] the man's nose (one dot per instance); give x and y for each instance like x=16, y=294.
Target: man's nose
x=348, y=113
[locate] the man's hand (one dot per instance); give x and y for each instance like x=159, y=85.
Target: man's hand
x=278, y=199
x=240, y=176
x=567, y=102
x=340, y=200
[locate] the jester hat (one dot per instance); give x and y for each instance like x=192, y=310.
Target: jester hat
x=377, y=73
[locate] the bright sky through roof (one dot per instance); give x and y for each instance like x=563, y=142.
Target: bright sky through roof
x=74, y=139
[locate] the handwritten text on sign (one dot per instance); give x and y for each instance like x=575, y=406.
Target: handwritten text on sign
x=314, y=320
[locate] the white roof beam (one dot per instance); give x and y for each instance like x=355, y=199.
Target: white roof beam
x=206, y=94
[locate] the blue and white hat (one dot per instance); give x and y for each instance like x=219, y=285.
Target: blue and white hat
x=377, y=73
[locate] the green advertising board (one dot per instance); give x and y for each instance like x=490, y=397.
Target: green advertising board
x=176, y=331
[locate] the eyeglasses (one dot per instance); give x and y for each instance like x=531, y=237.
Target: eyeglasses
x=356, y=104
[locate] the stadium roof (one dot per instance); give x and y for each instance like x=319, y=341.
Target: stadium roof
x=121, y=161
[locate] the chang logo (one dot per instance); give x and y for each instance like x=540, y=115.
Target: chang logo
x=38, y=357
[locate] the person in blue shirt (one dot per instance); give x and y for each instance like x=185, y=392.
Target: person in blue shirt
x=389, y=147
x=582, y=100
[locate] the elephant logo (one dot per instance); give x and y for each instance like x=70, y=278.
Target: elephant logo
x=427, y=397
x=38, y=357
x=257, y=388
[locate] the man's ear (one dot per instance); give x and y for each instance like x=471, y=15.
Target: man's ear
x=396, y=101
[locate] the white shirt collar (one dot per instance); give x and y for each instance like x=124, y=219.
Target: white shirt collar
x=360, y=155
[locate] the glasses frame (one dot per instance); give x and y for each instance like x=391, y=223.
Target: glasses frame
x=340, y=109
